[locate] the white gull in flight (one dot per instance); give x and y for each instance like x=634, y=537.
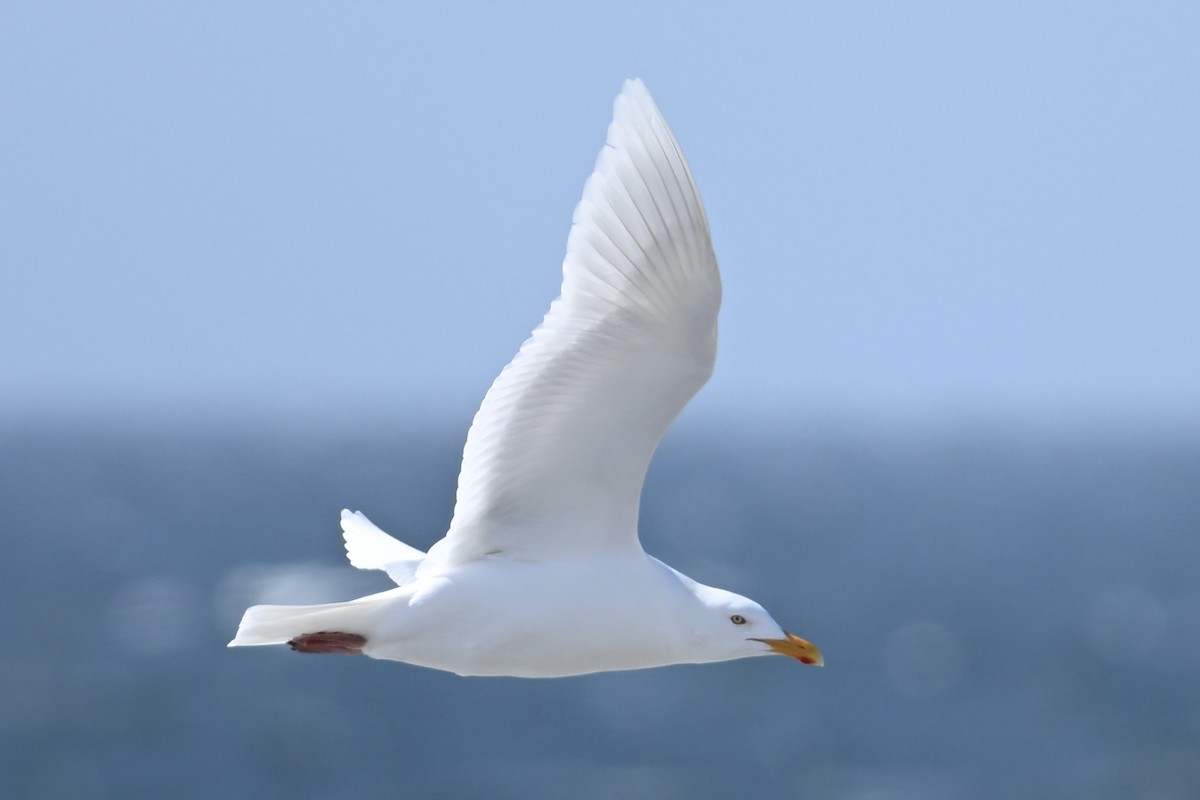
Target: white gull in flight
x=541, y=573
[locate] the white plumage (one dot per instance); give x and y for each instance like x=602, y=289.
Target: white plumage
x=541, y=572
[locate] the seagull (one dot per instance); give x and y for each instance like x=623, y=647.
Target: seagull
x=541, y=573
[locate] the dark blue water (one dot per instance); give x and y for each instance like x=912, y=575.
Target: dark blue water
x=1004, y=614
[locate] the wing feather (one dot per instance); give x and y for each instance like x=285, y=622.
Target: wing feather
x=555, y=458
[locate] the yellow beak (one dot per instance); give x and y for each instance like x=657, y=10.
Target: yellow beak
x=802, y=650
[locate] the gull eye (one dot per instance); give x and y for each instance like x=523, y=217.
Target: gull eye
x=738, y=619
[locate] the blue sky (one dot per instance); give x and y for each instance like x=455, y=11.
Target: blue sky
x=923, y=211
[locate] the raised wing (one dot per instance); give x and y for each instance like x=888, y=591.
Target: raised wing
x=556, y=455
x=368, y=547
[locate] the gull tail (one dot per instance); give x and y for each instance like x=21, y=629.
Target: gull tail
x=281, y=624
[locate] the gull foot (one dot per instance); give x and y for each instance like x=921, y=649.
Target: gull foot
x=349, y=644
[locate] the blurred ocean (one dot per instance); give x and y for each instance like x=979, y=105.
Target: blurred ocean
x=1004, y=613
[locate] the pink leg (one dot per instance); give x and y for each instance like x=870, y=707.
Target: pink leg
x=350, y=644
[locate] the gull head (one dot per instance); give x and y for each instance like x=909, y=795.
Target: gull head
x=732, y=626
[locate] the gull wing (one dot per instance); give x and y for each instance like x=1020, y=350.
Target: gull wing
x=555, y=458
x=368, y=547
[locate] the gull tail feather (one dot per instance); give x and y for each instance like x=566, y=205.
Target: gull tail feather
x=280, y=624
